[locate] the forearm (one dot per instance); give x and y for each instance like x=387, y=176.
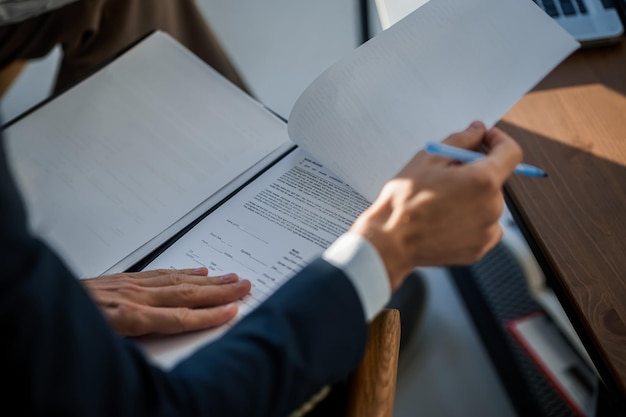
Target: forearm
x=308, y=334
x=63, y=356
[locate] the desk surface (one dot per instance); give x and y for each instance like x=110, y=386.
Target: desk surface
x=573, y=125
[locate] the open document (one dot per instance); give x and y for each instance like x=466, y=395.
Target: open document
x=265, y=233
x=127, y=159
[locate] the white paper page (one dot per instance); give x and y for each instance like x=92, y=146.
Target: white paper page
x=390, y=11
x=446, y=64
x=215, y=199
x=265, y=233
x=110, y=164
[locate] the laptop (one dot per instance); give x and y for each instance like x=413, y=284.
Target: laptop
x=590, y=22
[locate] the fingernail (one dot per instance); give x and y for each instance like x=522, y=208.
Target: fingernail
x=229, y=277
x=474, y=125
x=200, y=271
x=230, y=306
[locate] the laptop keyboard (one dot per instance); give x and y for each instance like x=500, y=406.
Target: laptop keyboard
x=562, y=8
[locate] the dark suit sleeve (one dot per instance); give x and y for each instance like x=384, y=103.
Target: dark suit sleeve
x=62, y=358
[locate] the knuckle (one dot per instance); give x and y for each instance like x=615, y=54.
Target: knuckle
x=181, y=317
x=391, y=188
x=128, y=289
x=482, y=251
x=498, y=233
x=474, y=255
x=188, y=291
x=117, y=278
x=483, y=181
x=483, y=244
x=168, y=275
x=517, y=149
x=470, y=259
x=499, y=206
x=127, y=318
x=177, y=279
x=126, y=309
x=493, y=211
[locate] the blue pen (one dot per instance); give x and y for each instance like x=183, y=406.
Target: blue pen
x=463, y=155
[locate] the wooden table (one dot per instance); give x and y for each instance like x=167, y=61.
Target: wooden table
x=573, y=125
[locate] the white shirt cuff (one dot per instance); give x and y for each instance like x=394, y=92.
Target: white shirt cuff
x=361, y=263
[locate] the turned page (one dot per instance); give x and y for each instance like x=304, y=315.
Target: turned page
x=432, y=73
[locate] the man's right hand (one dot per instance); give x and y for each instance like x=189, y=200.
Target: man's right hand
x=438, y=212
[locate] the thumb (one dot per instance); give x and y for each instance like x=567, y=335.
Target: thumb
x=470, y=138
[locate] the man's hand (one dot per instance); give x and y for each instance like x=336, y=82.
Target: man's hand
x=438, y=212
x=167, y=301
